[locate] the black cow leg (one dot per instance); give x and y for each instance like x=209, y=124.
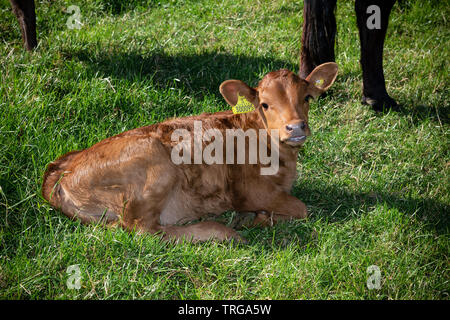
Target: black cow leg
x=372, y=41
x=319, y=31
x=24, y=11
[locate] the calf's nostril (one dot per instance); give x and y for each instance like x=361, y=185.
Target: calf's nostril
x=289, y=127
x=303, y=126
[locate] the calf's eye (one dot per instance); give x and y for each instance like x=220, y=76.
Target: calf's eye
x=265, y=106
x=307, y=98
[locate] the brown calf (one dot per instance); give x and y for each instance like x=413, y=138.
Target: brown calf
x=130, y=179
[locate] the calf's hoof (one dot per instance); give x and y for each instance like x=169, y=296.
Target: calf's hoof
x=243, y=220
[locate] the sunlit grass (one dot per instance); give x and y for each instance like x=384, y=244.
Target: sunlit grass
x=376, y=185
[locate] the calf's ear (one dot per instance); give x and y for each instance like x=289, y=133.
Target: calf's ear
x=232, y=89
x=321, y=78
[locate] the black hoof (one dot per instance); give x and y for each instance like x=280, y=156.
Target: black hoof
x=381, y=104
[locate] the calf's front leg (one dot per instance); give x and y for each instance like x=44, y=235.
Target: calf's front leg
x=144, y=217
x=201, y=231
x=283, y=207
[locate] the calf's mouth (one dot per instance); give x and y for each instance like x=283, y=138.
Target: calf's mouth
x=295, y=140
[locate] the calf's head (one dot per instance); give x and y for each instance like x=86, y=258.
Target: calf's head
x=282, y=99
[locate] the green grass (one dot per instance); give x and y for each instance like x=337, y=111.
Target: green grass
x=376, y=185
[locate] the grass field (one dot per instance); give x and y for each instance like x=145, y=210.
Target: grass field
x=376, y=185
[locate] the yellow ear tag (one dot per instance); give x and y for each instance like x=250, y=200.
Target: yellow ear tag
x=242, y=106
x=319, y=83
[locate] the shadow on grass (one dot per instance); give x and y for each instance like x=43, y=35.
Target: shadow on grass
x=420, y=113
x=198, y=75
x=202, y=74
x=417, y=113
x=336, y=205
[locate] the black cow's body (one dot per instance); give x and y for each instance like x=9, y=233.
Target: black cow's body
x=25, y=13
x=319, y=30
